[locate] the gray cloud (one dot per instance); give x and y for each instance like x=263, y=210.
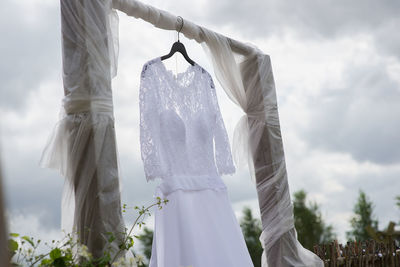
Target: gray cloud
x=326, y=18
x=360, y=118
x=31, y=52
x=31, y=190
x=312, y=19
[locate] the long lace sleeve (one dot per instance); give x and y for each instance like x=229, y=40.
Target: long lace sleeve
x=149, y=126
x=223, y=155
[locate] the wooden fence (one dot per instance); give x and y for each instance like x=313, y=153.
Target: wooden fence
x=359, y=254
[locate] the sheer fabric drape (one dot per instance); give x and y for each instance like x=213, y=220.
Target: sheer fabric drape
x=82, y=145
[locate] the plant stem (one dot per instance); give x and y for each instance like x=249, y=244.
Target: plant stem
x=134, y=224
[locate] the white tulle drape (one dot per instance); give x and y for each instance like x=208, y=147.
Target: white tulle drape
x=83, y=143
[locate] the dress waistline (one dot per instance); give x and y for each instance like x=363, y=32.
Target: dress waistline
x=189, y=183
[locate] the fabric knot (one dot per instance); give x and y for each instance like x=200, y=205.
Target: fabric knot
x=95, y=105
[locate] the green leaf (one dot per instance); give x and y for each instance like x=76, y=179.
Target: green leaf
x=28, y=239
x=68, y=257
x=111, y=238
x=55, y=254
x=59, y=262
x=130, y=242
x=14, y=234
x=46, y=262
x=12, y=245
x=103, y=261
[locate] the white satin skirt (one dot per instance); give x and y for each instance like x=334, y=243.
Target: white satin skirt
x=198, y=228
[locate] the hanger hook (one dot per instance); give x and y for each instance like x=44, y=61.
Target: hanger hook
x=180, y=27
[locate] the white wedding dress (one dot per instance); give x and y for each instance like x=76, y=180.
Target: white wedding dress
x=184, y=143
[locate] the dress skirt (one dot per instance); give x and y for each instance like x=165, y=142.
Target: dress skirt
x=198, y=228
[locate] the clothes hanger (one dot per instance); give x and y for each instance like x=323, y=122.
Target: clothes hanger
x=178, y=47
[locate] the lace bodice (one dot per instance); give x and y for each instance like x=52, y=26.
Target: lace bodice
x=182, y=133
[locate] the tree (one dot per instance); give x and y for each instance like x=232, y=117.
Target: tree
x=146, y=240
x=310, y=227
x=251, y=228
x=363, y=217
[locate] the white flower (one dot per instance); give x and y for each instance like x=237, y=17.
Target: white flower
x=123, y=262
x=83, y=251
x=119, y=262
x=132, y=262
x=116, y=264
x=139, y=259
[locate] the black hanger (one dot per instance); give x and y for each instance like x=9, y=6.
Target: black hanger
x=178, y=47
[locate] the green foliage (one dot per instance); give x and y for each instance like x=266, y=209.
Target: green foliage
x=251, y=228
x=363, y=218
x=23, y=250
x=310, y=227
x=12, y=247
x=55, y=253
x=146, y=240
x=386, y=236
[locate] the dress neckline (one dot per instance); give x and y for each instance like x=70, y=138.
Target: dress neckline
x=176, y=78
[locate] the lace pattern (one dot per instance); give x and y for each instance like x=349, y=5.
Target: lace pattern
x=182, y=132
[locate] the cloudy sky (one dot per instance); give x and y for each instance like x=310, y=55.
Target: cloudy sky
x=336, y=66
